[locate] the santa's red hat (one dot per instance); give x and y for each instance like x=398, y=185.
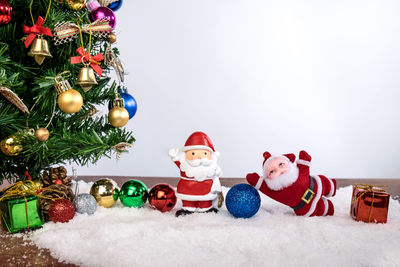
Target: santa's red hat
x=198, y=140
x=268, y=158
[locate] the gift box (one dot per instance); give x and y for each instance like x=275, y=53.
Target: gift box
x=369, y=203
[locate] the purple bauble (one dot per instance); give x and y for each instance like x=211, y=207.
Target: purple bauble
x=99, y=12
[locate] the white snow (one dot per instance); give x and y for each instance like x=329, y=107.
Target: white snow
x=121, y=236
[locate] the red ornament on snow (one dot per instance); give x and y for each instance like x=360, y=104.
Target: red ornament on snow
x=62, y=210
x=162, y=197
x=5, y=12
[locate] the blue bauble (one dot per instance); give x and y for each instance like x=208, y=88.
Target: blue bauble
x=114, y=6
x=129, y=104
x=243, y=201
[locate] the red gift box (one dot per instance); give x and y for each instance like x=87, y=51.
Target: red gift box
x=369, y=203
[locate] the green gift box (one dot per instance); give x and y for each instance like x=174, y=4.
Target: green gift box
x=18, y=214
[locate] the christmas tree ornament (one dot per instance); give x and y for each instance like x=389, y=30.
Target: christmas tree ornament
x=105, y=191
x=61, y=210
x=36, y=185
x=111, y=59
x=67, y=31
x=11, y=146
x=289, y=182
x=53, y=192
x=243, y=201
x=69, y=100
x=199, y=187
x=76, y=5
x=162, y=197
x=115, y=5
x=42, y=134
x=86, y=77
x=98, y=12
x=85, y=203
x=13, y=98
x=118, y=116
x=39, y=47
x=129, y=103
x=5, y=12
x=112, y=38
x=53, y=175
x=133, y=193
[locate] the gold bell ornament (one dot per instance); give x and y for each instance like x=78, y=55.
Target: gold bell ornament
x=86, y=78
x=118, y=116
x=11, y=146
x=69, y=100
x=39, y=50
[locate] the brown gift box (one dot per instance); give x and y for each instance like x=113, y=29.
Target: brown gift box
x=369, y=203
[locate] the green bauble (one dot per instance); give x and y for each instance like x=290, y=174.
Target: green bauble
x=133, y=193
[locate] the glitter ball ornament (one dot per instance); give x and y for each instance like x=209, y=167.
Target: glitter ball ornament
x=133, y=193
x=105, y=191
x=62, y=210
x=85, y=203
x=11, y=146
x=243, y=201
x=162, y=197
x=5, y=12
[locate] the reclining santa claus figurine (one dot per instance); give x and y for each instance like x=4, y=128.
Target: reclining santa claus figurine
x=289, y=182
x=199, y=187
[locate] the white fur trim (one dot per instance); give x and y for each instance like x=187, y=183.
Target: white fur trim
x=317, y=196
x=259, y=183
x=304, y=162
x=274, y=157
x=283, y=181
x=326, y=206
x=209, y=196
x=186, y=148
x=332, y=188
x=193, y=209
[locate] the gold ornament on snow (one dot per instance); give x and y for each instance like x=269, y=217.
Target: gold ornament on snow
x=118, y=116
x=105, y=191
x=75, y=4
x=42, y=134
x=69, y=100
x=11, y=146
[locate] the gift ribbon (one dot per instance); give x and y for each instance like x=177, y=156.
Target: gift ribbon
x=369, y=188
x=66, y=31
x=94, y=61
x=35, y=30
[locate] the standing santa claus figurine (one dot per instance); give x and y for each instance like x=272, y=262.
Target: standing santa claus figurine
x=199, y=187
x=289, y=182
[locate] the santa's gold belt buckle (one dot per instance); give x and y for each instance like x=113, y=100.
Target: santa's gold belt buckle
x=308, y=195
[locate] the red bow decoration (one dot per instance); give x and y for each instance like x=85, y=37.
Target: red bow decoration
x=35, y=30
x=94, y=61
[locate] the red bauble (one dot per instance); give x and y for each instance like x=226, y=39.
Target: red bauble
x=62, y=210
x=5, y=12
x=162, y=197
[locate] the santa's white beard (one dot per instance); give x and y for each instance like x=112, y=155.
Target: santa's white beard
x=284, y=180
x=199, y=169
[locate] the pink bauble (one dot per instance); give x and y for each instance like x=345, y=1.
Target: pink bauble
x=99, y=12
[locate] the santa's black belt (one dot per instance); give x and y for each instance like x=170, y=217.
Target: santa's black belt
x=307, y=196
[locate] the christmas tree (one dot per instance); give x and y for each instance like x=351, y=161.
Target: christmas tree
x=45, y=47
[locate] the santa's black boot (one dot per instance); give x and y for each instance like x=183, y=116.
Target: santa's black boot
x=212, y=210
x=182, y=212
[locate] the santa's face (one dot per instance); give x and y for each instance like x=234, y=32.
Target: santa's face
x=276, y=168
x=198, y=154
x=200, y=164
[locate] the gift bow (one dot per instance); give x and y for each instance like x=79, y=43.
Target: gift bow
x=94, y=61
x=35, y=30
x=66, y=31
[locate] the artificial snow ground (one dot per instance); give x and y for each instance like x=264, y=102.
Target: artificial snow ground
x=121, y=236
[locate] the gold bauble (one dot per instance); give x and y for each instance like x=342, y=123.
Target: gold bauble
x=42, y=134
x=118, y=116
x=112, y=38
x=105, y=191
x=70, y=101
x=75, y=4
x=11, y=146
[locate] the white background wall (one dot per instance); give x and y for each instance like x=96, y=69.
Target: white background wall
x=259, y=75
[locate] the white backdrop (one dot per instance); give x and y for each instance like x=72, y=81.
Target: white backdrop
x=259, y=75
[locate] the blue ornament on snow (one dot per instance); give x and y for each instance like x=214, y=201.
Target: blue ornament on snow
x=243, y=201
x=114, y=6
x=129, y=103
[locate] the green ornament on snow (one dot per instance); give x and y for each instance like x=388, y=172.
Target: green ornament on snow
x=133, y=193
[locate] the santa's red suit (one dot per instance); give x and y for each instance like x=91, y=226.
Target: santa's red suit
x=197, y=194
x=306, y=194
